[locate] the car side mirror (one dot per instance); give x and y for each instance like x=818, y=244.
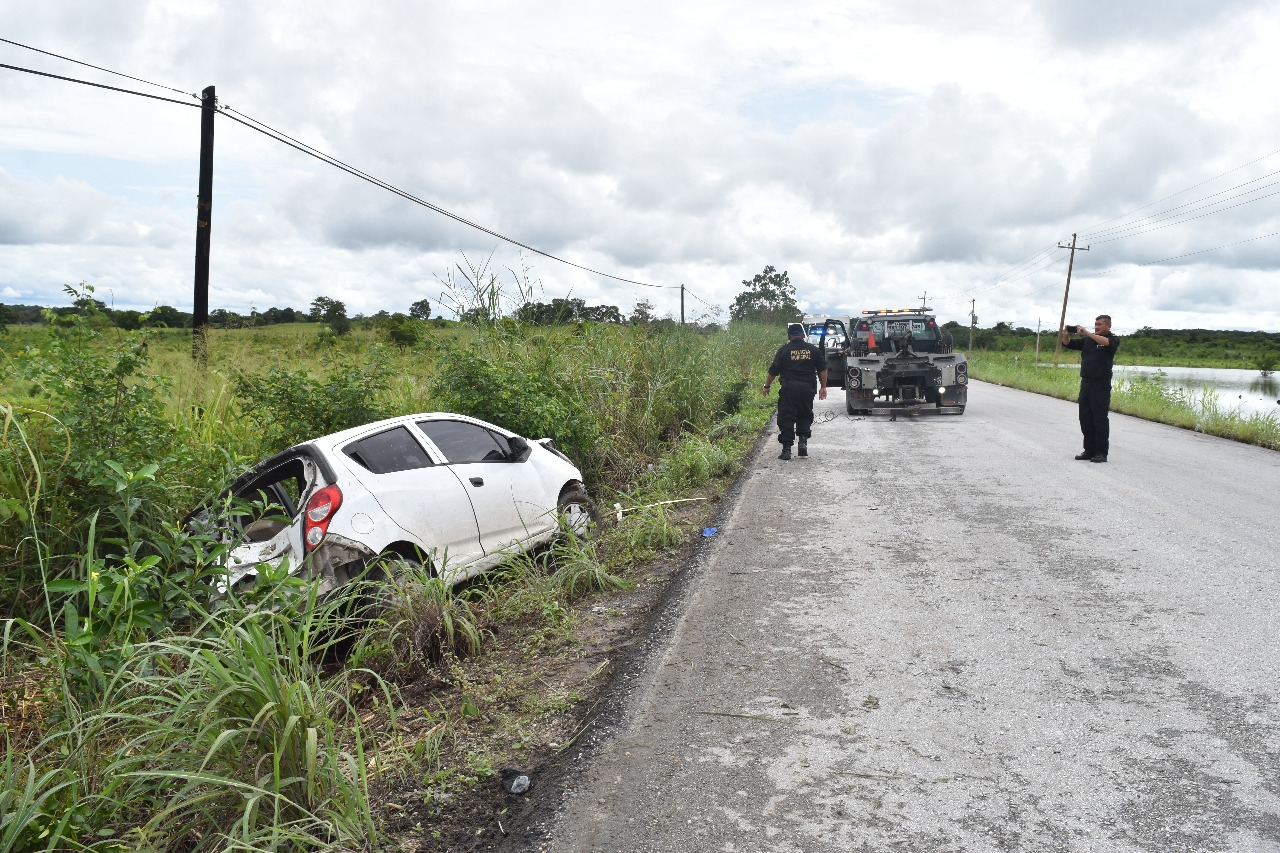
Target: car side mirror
x=520, y=449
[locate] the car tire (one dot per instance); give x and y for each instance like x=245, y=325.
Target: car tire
x=577, y=513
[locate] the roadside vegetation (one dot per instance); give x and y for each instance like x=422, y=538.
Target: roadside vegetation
x=1149, y=397
x=138, y=713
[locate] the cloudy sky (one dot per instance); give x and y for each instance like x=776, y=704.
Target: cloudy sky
x=875, y=150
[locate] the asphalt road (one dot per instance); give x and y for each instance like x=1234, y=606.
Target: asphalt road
x=942, y=633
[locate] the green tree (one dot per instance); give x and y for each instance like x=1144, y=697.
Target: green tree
x=769, y=298
x=332, y=313
x=420, y=310
x=403, y=331
x=643, y=313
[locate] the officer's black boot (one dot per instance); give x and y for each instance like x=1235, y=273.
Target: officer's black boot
x=786, y=452
x=803, y=449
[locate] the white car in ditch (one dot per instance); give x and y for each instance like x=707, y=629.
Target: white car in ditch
x=452, y=492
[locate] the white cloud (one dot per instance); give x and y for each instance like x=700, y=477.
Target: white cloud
x=874, y=149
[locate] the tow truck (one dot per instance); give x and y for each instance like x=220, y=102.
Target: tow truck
x=897, y=361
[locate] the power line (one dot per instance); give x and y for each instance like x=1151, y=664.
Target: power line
x=1034, y=257
x=1180, y=192
x=100, y=85
x=1189, y=218
x=1157, y=217
x=1161, y=218
x=1187, y=255
x=271, y=133
x=97, y=67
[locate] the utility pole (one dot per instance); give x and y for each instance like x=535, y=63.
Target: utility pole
x=924, y=300
x=973, y=321
x=1057, y=350
x=682, y=304
x=1037, y=341
x=204, y=213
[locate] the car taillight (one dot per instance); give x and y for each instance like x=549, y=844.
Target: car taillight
x=320, y=510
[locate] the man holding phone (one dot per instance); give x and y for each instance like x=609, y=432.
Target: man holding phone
x=1097, y=352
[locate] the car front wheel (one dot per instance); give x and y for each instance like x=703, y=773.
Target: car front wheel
x=577, y=513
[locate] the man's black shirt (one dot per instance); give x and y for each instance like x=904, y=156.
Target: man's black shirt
x=1095, y=360
x=797, y=361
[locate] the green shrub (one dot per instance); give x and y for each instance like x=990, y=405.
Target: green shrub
x=291, y=406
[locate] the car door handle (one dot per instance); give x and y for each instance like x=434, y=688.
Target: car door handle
x=477, y=481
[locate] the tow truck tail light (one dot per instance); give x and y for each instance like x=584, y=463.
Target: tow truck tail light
x=320, y=509
x=864, y=326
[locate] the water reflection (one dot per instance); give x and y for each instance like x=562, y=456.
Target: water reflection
x=1246, y=390
x=1267, y=386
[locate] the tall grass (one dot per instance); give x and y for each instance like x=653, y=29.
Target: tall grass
x=160, y=723
x=1148, y=397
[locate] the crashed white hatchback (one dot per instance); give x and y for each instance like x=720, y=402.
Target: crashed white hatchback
x=450, y=491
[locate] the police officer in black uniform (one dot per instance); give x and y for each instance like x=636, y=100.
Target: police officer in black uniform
x=796, y=364
x=1097, y=352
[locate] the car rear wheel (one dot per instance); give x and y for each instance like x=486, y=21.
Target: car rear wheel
x=577, y=513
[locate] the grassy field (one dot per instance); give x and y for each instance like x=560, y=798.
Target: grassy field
x=137, y=716
x=1143, y=397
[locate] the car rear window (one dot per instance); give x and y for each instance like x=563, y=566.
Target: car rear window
x=389, y=451
x=463, y=442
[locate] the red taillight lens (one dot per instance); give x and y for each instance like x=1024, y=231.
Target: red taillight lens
x=864, y=326
x=320, y=510
x=932, y=324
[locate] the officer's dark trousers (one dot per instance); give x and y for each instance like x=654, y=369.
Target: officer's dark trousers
x=795, y=411
x=1095, y=401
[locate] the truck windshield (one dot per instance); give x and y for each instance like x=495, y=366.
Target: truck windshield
x=897, y=328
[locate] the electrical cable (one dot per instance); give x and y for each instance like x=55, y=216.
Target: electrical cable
x=1179, y=257
x=100, y=85
x=1188, y=219
x=1160, y=214
x=272, y=133
x=266, y=130
x=97, y=67
x=1044, y=264
x=1162, y=217
x=1094, y=228
x=1033, y=258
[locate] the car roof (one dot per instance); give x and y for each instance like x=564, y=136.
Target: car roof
x=336, y=438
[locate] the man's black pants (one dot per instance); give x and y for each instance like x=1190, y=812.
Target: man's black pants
x=795, y=411
x=1095, y=402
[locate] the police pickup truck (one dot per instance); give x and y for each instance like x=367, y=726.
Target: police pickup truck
x=896, y=361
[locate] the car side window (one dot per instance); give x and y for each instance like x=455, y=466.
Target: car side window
x=389, y=451
x=463, y=442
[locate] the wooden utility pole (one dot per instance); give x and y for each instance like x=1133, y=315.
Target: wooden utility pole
x=204, y=214
x=1057, y=349
x=1037, y=342
x=973, y=321
x=681, y=304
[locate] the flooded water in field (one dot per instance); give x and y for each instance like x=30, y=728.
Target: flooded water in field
x=1246, y=390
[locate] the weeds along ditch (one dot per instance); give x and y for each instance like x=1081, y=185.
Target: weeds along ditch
x=1148, y=397
x=137, y=715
